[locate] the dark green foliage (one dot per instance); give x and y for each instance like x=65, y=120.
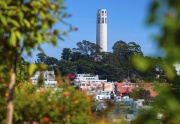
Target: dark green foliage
x=51, y=61
x=86, y=48
x=175, y=81
x=66, y=67
x=115, y=66
x=125, y=51
x=41, y=57
x=140, y=93
x=66, y=54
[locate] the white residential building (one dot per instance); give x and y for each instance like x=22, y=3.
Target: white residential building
x=103, y=97
x=89, y=82
x=49, y=77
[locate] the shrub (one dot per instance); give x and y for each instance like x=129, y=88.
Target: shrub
x=60, y=104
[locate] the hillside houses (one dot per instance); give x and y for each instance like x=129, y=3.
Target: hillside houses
x=116, y=92
x=91, y=83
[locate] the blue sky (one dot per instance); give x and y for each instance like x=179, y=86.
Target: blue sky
x=126, y=20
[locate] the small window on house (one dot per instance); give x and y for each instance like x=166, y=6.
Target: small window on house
x=82, y=84
x=87, y=84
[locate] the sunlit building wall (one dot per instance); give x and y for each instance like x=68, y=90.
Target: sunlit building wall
x=101, y=30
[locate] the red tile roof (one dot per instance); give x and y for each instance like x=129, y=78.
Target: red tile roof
x=126, y=87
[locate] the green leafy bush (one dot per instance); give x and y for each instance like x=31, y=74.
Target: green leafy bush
x=60, y=104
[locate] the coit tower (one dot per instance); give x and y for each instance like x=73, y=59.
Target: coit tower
x=101, y=30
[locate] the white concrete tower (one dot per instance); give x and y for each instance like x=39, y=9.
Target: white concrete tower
x=101, y=30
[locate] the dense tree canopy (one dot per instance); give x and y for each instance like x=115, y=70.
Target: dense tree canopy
x=113, y=66
x=86, y=48
x=66, y=54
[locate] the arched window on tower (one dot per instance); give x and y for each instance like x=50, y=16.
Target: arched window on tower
x=102, y=20
x=105, y=20
x=98, y=20
x=102, y=13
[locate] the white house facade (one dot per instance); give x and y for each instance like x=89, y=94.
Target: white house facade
x=49, y=77
x=89, y=82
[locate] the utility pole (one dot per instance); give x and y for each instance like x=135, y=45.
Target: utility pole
x=128, y=76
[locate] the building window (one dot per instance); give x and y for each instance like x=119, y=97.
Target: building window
x=82, y=84
x=102, y=13
x=98, y=97
x=87, y=84
x=102, y=20
x=105, y=21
